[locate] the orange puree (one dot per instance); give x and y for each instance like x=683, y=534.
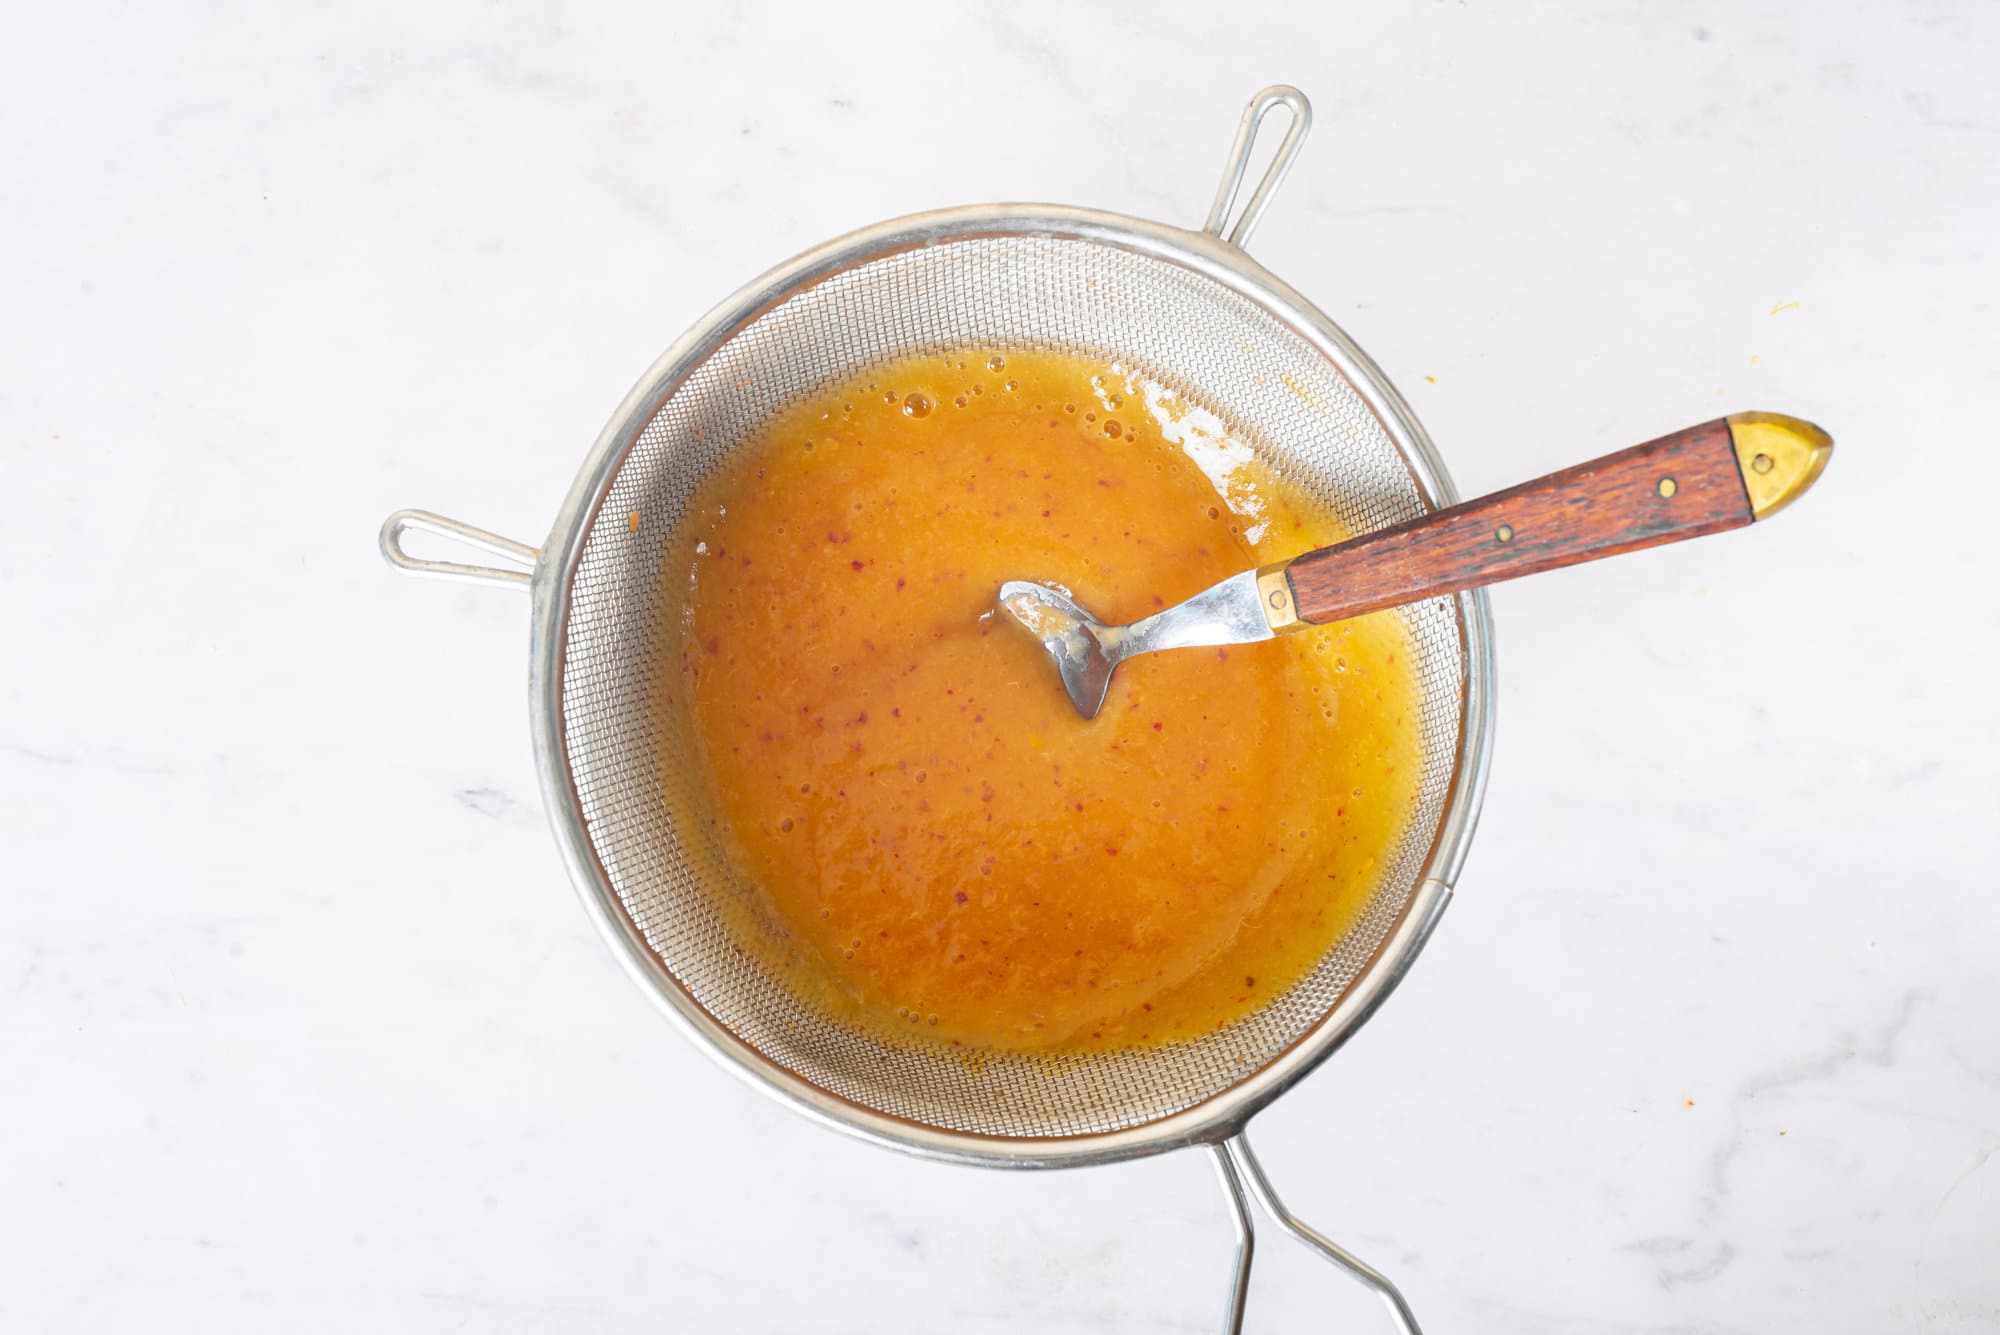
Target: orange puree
x=932, y=828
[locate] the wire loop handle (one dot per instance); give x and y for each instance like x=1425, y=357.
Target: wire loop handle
x=1241, y=1174
x=424, y=521
x=1239, y=161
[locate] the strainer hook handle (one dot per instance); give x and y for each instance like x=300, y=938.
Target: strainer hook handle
x=1277, y=95
x=424, y=521
x=1244, y=1181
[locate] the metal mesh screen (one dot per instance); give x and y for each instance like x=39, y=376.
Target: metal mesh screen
x=642, y=805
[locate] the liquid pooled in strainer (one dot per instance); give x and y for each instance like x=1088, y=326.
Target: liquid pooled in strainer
x=937, y=835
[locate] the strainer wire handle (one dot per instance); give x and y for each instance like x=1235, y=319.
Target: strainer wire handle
x=424, y=521
x=1277, y=95
x=1244, y=1181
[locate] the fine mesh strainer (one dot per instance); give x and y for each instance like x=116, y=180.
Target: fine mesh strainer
x=1188, y=309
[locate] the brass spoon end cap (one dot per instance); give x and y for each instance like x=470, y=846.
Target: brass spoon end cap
x=1779, y=457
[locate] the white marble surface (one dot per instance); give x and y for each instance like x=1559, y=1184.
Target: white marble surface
x=300, y=1026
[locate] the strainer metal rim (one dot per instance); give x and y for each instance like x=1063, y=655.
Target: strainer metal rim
x=1215, y=1118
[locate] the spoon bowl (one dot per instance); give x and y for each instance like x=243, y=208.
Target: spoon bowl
x=1086, y=652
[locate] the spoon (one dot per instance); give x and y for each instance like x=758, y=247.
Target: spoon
x=1707, y=479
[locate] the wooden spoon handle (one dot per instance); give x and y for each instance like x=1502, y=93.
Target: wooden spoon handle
x=1716, y=476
